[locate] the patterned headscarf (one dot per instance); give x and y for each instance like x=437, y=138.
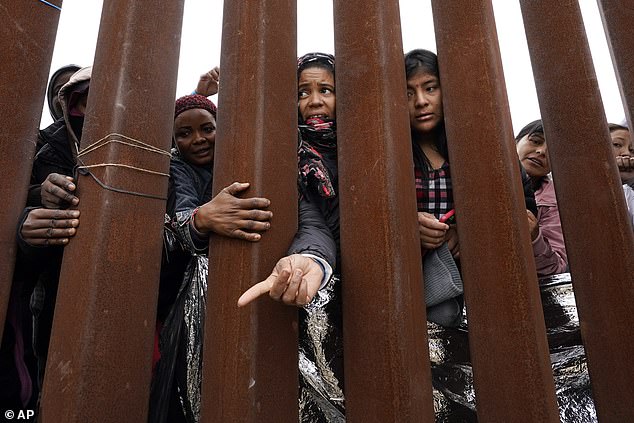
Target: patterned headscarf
x=317, y=137
x=325, y=60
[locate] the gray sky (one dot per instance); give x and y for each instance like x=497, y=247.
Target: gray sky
x=200, y=47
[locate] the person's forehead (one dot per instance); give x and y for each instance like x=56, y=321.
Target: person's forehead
x=422, y=77
x=316, y=73
x=620, y=133
x=194, y=115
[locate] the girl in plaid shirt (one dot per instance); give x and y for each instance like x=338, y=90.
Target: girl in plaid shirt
x=429, y=143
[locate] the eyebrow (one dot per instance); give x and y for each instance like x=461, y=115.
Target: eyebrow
x=433, y=79
x=321, y=84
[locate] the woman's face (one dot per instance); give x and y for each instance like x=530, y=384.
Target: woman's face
x=533, y=154
x=424, y=98
x=316, y=94
x=195, y=135
x=623, y=146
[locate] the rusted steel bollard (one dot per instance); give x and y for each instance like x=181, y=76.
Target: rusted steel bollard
x=99, y=360
x=250, y=369
x=617, y=18
x=27, y=31
x=386, y=356
x=599, y=239
x=507, y=336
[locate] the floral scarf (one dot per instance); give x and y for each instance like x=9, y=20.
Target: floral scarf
x=316, y=137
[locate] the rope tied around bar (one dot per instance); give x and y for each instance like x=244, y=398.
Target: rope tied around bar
x=54, y=6
x=115, y=138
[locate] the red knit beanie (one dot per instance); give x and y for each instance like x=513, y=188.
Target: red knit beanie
x=194, y=101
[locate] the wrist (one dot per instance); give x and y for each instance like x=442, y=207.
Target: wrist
x=193, y=220
x=326, y=269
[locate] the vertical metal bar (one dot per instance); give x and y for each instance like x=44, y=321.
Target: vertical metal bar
x=617, y=19
x=251, y=357
x=99, y=360
x=27, y=31
x=599, y=239
x=507, y=336
x=386, y=354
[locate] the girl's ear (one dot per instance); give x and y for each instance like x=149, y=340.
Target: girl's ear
x=174, y=145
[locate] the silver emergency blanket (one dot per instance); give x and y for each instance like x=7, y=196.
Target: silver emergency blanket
x=452, y=375
x=321, y=358
x=321, y=398
x=181, y=338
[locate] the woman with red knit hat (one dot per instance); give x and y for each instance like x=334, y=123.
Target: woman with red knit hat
x=192, y=214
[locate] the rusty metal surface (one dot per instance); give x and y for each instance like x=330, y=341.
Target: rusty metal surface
x=387, y=376
x=599, y=239
x=250, y=371
x=512, y=374
x=99, y=360
x=617, y=20
x=27, y=31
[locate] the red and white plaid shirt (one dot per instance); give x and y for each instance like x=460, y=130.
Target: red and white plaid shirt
x=434, y=195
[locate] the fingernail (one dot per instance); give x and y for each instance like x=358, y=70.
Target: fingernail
x=75, y=213
x=71, y=187
x=257, y=236
x=268, y=226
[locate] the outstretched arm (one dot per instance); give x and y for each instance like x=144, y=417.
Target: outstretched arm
x=297, y=277
x=294, y=281
x=225, y=214
x=234, y=217
x=313, y=234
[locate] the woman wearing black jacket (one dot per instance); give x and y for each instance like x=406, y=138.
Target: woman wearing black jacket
x=308, y=276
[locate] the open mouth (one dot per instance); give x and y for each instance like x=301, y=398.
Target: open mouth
x=536, y=161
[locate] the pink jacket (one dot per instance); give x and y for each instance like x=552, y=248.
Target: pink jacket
x=548, y=248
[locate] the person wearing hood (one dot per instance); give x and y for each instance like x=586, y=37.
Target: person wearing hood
x=46, y=224
x=59, y=78
x=18, y=368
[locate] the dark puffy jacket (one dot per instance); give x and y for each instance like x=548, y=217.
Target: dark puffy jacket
x=54, y=155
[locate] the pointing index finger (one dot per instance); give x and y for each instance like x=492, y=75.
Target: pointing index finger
x=256, y=291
